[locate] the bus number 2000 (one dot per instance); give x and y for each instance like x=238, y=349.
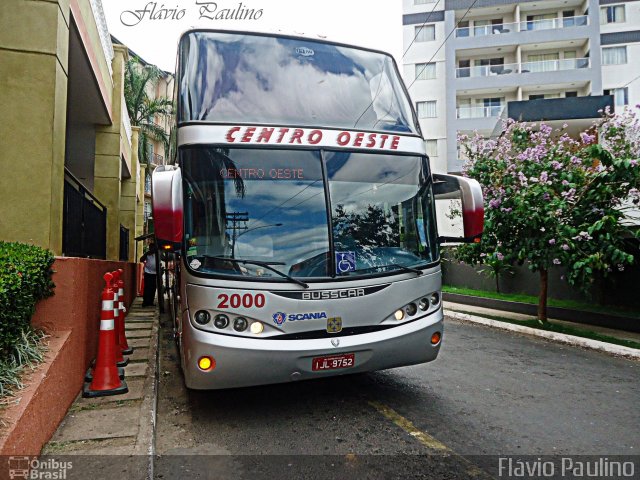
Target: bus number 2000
x=235, y=301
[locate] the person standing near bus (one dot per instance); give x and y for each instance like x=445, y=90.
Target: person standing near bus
x=150, y=272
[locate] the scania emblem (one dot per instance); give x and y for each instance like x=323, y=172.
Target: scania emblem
x=279, y=317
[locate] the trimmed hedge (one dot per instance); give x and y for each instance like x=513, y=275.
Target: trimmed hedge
x=25, y=278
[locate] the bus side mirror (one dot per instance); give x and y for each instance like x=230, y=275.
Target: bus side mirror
x=459, y=209
x=166, y=196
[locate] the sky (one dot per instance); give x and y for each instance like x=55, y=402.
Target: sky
x=370, y=23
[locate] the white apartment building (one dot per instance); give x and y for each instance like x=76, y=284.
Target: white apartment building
x=469, y=63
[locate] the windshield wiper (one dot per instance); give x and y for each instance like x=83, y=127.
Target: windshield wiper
x=266, y=265
x=405, y=268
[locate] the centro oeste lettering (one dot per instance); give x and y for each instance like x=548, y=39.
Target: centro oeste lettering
x=299, y=136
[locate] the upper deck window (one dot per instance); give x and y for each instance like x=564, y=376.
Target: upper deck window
x=239, y=78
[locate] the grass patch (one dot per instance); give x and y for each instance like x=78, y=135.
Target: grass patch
x=27, y=352
x=552, y=302
x=559, y=328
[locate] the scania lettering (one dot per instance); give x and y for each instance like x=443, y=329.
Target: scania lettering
x=300, y=209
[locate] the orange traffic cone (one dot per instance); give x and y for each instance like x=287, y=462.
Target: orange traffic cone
x=140, y=279
x=120, y=360
x=120, y=331
x=106, y=380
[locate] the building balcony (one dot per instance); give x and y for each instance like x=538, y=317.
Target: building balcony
x=519, y=33
x=155, y=159
x=524, y=67
x=527, y=26
x=575, y=70
x=478, y=111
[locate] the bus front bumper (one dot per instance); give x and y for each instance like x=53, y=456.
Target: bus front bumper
x=241, y=362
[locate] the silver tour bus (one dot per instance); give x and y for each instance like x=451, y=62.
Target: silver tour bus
x=300, y=210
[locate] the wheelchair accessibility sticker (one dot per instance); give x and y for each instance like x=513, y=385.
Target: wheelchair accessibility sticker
x=345, y=262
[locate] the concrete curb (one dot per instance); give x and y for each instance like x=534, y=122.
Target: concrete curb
x=145, y=441
x=608, y=348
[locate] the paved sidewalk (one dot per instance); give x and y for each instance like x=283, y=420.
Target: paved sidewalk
x=119, y=424
x=619, y=334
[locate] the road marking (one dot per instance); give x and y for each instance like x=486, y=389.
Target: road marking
x=426, y=439
x=405, y=424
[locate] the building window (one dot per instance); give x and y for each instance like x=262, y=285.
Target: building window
x=612, y=14
x=570, y=94
x=147, y=211
x=425, y=71
x=620, y=96
x=614, y=55
x=568, y=18
x=463, y=29
x=536, y=97
x=492, y=106
x=422, y=2
x=427, y=109
x=432, y=147
x=425, y=33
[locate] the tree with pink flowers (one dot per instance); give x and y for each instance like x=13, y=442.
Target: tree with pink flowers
x=555, y=200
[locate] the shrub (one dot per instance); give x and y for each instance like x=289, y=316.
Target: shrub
x=25, y=278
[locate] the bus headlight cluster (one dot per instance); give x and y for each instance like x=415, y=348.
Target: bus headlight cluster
x=222, y=321
x=413, y=308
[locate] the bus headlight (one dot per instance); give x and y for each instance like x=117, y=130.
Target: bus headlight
x=221, y=321
x=399, y=315
x=240, y=324
x=424, y=303
x=257, y=328
x=435, y=298
x=412, y=309
x=202, y=317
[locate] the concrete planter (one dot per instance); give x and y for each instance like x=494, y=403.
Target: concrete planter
x=72, y=318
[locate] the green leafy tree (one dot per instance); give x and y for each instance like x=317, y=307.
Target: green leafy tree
x=142, y=109
x=553, y=200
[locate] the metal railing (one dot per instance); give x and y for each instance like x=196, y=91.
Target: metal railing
x=482, y=30
x=524, y=67
x=524, y=26
x=84, y=221
x=553, y=23
x=156, y=159
x=487, y=70
x=479, y=111
x=554, y=65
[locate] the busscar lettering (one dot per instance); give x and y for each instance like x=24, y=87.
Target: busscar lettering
x=299, y=136
x=333, y=294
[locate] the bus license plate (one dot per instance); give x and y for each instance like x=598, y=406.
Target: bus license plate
x=333, y=362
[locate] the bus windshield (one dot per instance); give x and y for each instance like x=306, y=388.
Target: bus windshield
x=242, y=78
x=308, y=213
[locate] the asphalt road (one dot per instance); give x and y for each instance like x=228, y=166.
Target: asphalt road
x=490, y=393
